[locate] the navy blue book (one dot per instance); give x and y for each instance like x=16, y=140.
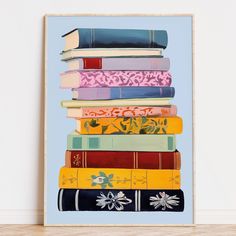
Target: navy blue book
x=115, y=38
x=120, y=200
x=122, y=93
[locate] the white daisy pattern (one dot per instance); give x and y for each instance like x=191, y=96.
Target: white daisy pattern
x=164, y=200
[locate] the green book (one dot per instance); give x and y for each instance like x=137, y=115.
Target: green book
x=152, y=143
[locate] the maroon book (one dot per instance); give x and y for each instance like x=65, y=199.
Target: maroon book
x=126, y=160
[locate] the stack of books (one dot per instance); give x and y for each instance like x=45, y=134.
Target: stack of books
x=122, y=155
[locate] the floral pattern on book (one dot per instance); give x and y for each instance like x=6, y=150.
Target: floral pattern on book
x=124, y=78
x=68, y=179
x=128, y=112
x=175, y=179
x=102, y=179
x=76, y=160
x=128, y=125
x=112, y=201
x=164, y=200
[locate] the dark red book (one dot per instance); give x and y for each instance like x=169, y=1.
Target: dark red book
x=126, y=160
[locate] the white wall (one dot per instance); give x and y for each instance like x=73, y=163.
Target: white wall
x=21, y=130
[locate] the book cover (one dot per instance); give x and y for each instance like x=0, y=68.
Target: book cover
x=103, y=178
x=130, y=111
x=148, y=143
x=123, y=160
x=122, y=93
x=99, y=78
x=130, y=125
x=116, y=102
x=111, y=52
x=162, y=200
x=115, y=38
x=119, y=63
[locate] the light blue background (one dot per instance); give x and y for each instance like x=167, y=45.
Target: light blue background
x=179, y=50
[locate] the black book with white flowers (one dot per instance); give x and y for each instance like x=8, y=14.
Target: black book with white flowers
x=120, y=200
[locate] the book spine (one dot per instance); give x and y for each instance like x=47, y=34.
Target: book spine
x=148, y=143
x=126, y=125
x=85, y=64
x=123, y=160
x=122, y=93
x=87, y=79
x=122, y=38
x=123, y=200
x=111, y=53
x=120, y=200
x=130, y=111
x=112, y=178
x=116, y=102
x=161, y=64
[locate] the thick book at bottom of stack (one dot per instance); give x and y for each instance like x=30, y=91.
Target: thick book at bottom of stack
x=120, y=200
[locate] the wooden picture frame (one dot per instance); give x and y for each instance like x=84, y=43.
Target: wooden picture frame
x=47, y=185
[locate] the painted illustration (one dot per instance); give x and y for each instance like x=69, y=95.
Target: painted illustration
x=122, y=65
x=118, y=120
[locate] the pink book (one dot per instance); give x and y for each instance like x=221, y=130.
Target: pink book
x=130, y=111
x=88, y=79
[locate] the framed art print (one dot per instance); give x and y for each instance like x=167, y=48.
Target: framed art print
x=118, y=120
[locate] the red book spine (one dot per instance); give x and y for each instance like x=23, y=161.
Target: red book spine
x=92, y=63
x=125, y=160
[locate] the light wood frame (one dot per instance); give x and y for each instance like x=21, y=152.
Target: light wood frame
x=193, y=122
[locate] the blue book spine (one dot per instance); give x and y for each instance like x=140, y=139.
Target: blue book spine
x=122, y=93
x=120, y=38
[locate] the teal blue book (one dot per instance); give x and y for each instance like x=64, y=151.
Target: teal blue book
x=115, y=38
x=152, y=143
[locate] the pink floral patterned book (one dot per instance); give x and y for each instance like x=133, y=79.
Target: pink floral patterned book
x=88, y=79
x=126, y=111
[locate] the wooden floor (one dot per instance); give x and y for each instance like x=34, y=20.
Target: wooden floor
x=38, y=230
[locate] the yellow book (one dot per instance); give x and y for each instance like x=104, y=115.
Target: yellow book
x=96, y=178
x=117, y=102
x=130, y=125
